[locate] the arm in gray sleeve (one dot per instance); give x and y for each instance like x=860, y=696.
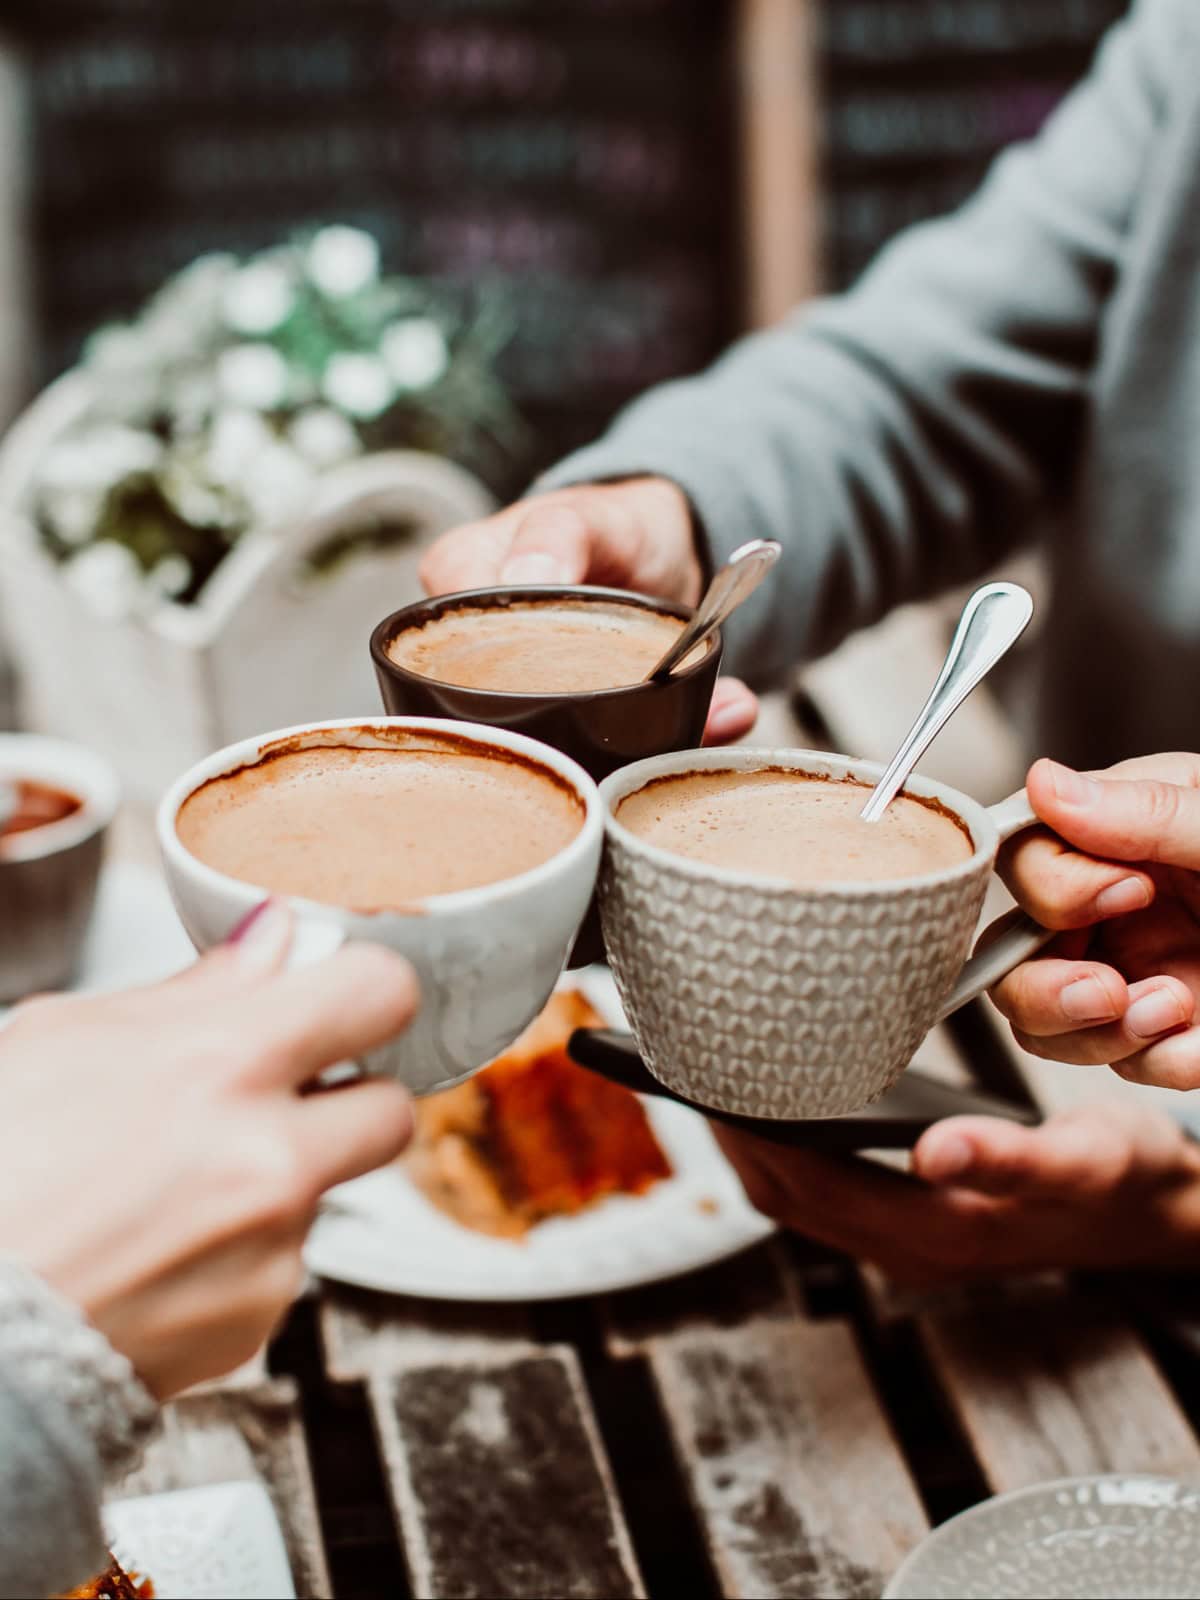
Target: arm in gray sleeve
x=898, y=438
x=71, y=1410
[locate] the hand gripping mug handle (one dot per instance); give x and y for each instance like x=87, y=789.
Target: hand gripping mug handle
x=1021, y=939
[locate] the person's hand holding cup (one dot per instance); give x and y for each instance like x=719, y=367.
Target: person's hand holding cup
x=638, y=535
x=1116, y=872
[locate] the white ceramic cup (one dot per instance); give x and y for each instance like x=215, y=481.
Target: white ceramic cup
x=771, y=1000
x=49, y=875
x=487, y=959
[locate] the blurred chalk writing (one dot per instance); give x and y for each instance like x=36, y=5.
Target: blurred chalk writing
x=581, y=155
x=921, y=94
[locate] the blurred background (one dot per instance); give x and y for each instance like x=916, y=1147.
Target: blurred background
x=569, y=200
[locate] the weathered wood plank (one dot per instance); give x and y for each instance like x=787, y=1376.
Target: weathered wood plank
x=363, y=1332
x=499, y=1481
x=758, y=1283
x=797, y=1479
x=243, y=1434
x=1048, y=1382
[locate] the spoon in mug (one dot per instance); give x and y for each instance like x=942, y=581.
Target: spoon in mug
x=992, y=621
x=8, y=801
x=736, y=581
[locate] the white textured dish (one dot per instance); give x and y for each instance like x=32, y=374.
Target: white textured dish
x=221, y=1542
x=381, y=1233
x=1075, y=1539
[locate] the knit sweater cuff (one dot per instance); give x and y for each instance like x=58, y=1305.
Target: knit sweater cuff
x=52, y=1353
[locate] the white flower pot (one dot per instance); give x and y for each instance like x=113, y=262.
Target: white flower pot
x=265, y=645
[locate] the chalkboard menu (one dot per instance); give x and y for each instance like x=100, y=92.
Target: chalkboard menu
x=579, y=156
x=919, y=95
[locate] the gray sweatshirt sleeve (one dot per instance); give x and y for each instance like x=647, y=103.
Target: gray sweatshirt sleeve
x=899, y=438
x=71, y=1411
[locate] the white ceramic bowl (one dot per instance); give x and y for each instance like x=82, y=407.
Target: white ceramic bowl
x=48, y=875
x=487, y=959
x=1102, y=1538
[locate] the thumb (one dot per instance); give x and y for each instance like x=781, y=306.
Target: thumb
x=1140, y=819
x=552, y=544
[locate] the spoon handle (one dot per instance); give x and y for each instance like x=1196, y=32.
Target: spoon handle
x=993, y=619
x=737, y=579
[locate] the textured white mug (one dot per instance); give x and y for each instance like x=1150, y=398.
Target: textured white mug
x=772, y=1000
x=487, y=959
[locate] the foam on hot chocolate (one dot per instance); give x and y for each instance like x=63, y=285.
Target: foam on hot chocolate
x=372, y=829
x=538, y=647
x=777, y=823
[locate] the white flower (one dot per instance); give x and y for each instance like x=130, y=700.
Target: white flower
x=98, y=457
x=414, y=351
x=278, y=485
x=107, y=578
x=343, y=261
x=254, y=375
x=73, y=514
x=170, y=576
x=357, y=384
x=114, y=349
x=324, y=437
x=237, y=437
x=258, y=298
x=203, y=504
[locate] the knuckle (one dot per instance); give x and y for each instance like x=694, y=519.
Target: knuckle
x=1044, y=1049
x=277, y=1184
x=1160, y=806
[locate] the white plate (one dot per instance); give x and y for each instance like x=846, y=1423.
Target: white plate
x=221, y=1542
x=381, y=1233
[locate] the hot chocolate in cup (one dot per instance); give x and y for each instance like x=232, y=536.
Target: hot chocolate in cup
x=472, y=852
x=561, y=664
x=776, y=956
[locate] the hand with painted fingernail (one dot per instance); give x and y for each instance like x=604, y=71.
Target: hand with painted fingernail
x=1116, y=873
x=161, y=1158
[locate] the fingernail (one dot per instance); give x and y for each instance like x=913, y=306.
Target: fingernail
x=533, y=568
x=1154, y=1013
x=1071, y=787
x=1087, y=1000
x=261, y=939
x=1131, y=894
x=954, y=1155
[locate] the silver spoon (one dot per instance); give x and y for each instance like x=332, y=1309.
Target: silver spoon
x=8, y=801
x=993, y=619
x=736, y=581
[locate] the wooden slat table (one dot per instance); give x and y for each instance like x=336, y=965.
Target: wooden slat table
x=784, y=1424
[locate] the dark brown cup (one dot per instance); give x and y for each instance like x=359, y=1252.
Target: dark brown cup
x=602, y=730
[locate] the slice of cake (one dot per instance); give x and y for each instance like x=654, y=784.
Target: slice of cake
x=533, y=1136
x=114, y=1583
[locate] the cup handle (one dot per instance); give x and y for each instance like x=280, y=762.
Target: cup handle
x=1021, y=939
